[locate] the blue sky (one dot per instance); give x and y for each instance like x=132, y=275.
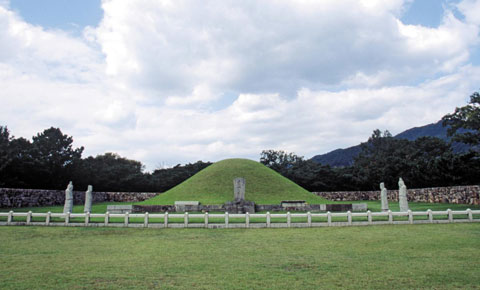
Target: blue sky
x=168, y=82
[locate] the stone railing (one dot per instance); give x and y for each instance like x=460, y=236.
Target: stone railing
x=15, y=197
x=468, y=194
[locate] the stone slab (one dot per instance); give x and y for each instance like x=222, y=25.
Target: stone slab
x=119, y=208
x=359, y=207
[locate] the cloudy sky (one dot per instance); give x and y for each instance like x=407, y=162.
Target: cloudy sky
x=176, y=81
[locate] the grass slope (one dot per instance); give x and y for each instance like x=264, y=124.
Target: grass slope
x=214, y=185
x=380, y=257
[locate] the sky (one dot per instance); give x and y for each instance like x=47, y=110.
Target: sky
x=177, y=81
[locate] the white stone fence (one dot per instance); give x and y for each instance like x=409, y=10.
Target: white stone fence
x=254, y=220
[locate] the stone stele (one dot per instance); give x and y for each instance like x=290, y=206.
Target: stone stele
x=88, y=200
x=239, y=189
x=68, y=198
x=402, y=195
x=383, y=196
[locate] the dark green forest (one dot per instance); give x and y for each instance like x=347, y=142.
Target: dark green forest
x=49, y=161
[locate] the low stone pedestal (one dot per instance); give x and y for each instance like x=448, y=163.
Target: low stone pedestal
x=241, y=206
x=187, y=206
x=120, y=208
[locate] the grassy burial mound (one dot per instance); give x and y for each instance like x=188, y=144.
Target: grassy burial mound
x=214, y=185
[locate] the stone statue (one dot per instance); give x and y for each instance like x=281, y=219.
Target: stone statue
x=68, y=198
x=239, y=189
x=383, y=196
x=402, y=195
x=88, y=200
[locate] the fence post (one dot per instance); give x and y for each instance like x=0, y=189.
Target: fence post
x=185, y=219
x=247, y=220
x=329, y=218
x=226, y=219
x=206, y=220
x=107, y=218
x=470, y=215
x=309, y=219
x=67, y=218
x=289, y=220
x=390, y=217
x=268, y=219
x=127, y=218
x=430, y=215
x=349, y=218
x=10, y=217
x=47, y=219
x=369, y=216
x=450, y=216
x=29, y=217
x=410, y=217
x=87, y=218
x=165, y=220
x=145, y=220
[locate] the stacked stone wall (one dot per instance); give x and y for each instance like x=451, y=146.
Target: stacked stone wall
x=15, y=197
x=468, y=194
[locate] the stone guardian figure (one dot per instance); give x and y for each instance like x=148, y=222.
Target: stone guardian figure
x=68, y=198
x=402, y=195
x=383, y=196
x=88, y=200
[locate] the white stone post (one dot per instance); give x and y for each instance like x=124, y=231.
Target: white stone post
x=226, y=219
x=309, y=219
x=185, y=219
x=67, y=218
x=450, y=216
x=145, y=220
x=165, y=220
x=369, y=216
x=47, y=219
x=390, y=217
x=88, y=200
x=268, y=219
x=289, y=220
x=29, y=217
x=247, y=220
x=10, y=217
x=329, y=218
x=107, y=218
x=87, y=218
x=430, y=215
x=68, y=207
x=127, y=219
x=206, y=220
x=402, y=196
x=384, y=197
x=410, y=217
x=349, y=217
x=470, y=215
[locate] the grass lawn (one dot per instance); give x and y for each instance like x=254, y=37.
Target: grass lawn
x=391, y=257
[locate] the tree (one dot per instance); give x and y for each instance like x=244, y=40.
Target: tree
x=279, y=161
x=466, y=118
x=54, y=158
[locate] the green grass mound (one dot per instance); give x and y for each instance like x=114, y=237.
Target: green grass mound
x=214, y=185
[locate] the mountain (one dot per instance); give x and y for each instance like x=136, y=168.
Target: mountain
x=345, y=157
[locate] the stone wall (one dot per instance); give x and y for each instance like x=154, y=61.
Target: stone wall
x=453, y=194
x=15, y=197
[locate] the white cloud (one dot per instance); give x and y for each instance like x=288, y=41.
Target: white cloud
x=179, y=81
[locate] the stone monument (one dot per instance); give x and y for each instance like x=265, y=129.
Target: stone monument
x=68, y=198
x=383, y=196
x=239, y=204
x=402, y=195
x=88, y=200
x=239, y=189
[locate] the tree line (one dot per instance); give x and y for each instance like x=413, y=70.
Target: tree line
x=49, y=161
x=424, y=162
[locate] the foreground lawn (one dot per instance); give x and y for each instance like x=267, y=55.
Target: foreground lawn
x=390, y=257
